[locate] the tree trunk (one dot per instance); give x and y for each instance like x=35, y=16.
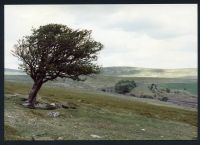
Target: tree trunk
x=33, y=93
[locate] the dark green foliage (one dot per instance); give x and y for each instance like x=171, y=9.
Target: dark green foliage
x=55, y=50
x=153, y=87
x=103, y=90
x=124, y=86
x=167, y=90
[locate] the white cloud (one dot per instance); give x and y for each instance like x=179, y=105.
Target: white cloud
x=159, y=36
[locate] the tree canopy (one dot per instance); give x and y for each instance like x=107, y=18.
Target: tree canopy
x=55, y=50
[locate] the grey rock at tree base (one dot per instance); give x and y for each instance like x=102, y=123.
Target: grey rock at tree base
x=27, y=105
x=68, y=105
x=52, y=106
x=45, y=106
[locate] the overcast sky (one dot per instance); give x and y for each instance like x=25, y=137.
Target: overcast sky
x=153, y=36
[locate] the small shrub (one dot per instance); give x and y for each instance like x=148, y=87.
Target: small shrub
x=124, y=86
x=165, y=99
x=167, y=90
x=103, y=90
x=153, y=88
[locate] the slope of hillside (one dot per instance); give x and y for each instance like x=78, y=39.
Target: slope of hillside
x=96, y=117
x=100, y=115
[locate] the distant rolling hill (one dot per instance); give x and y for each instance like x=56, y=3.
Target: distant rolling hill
x=8, y=71
x=134, y=72
x=149, y=72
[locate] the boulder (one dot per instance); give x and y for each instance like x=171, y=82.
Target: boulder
x=65, y=105
x=45, y=106
x=60, y=138
x=27, y=105
x=51, y=107
x=41, y=106
x=54, y=114
x=95, y=136
x=68, y=105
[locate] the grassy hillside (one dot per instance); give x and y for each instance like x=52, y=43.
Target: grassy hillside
x=98, y=82
x=191, y=87
x=102, y=115
x=109, y=76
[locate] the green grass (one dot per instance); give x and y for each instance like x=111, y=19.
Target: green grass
x=106, y=116
x=112, y=80
x=115, y=104
x=11, y=133
x=191, y=87
x=100, y=81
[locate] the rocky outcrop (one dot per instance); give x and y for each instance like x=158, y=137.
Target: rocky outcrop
x=51, y=106
x=54, y=114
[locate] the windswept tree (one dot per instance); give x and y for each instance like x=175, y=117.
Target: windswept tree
x=53, y=51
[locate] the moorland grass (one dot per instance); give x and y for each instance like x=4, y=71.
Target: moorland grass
x=11, y=133
x=87, y=119
x=115, y=104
